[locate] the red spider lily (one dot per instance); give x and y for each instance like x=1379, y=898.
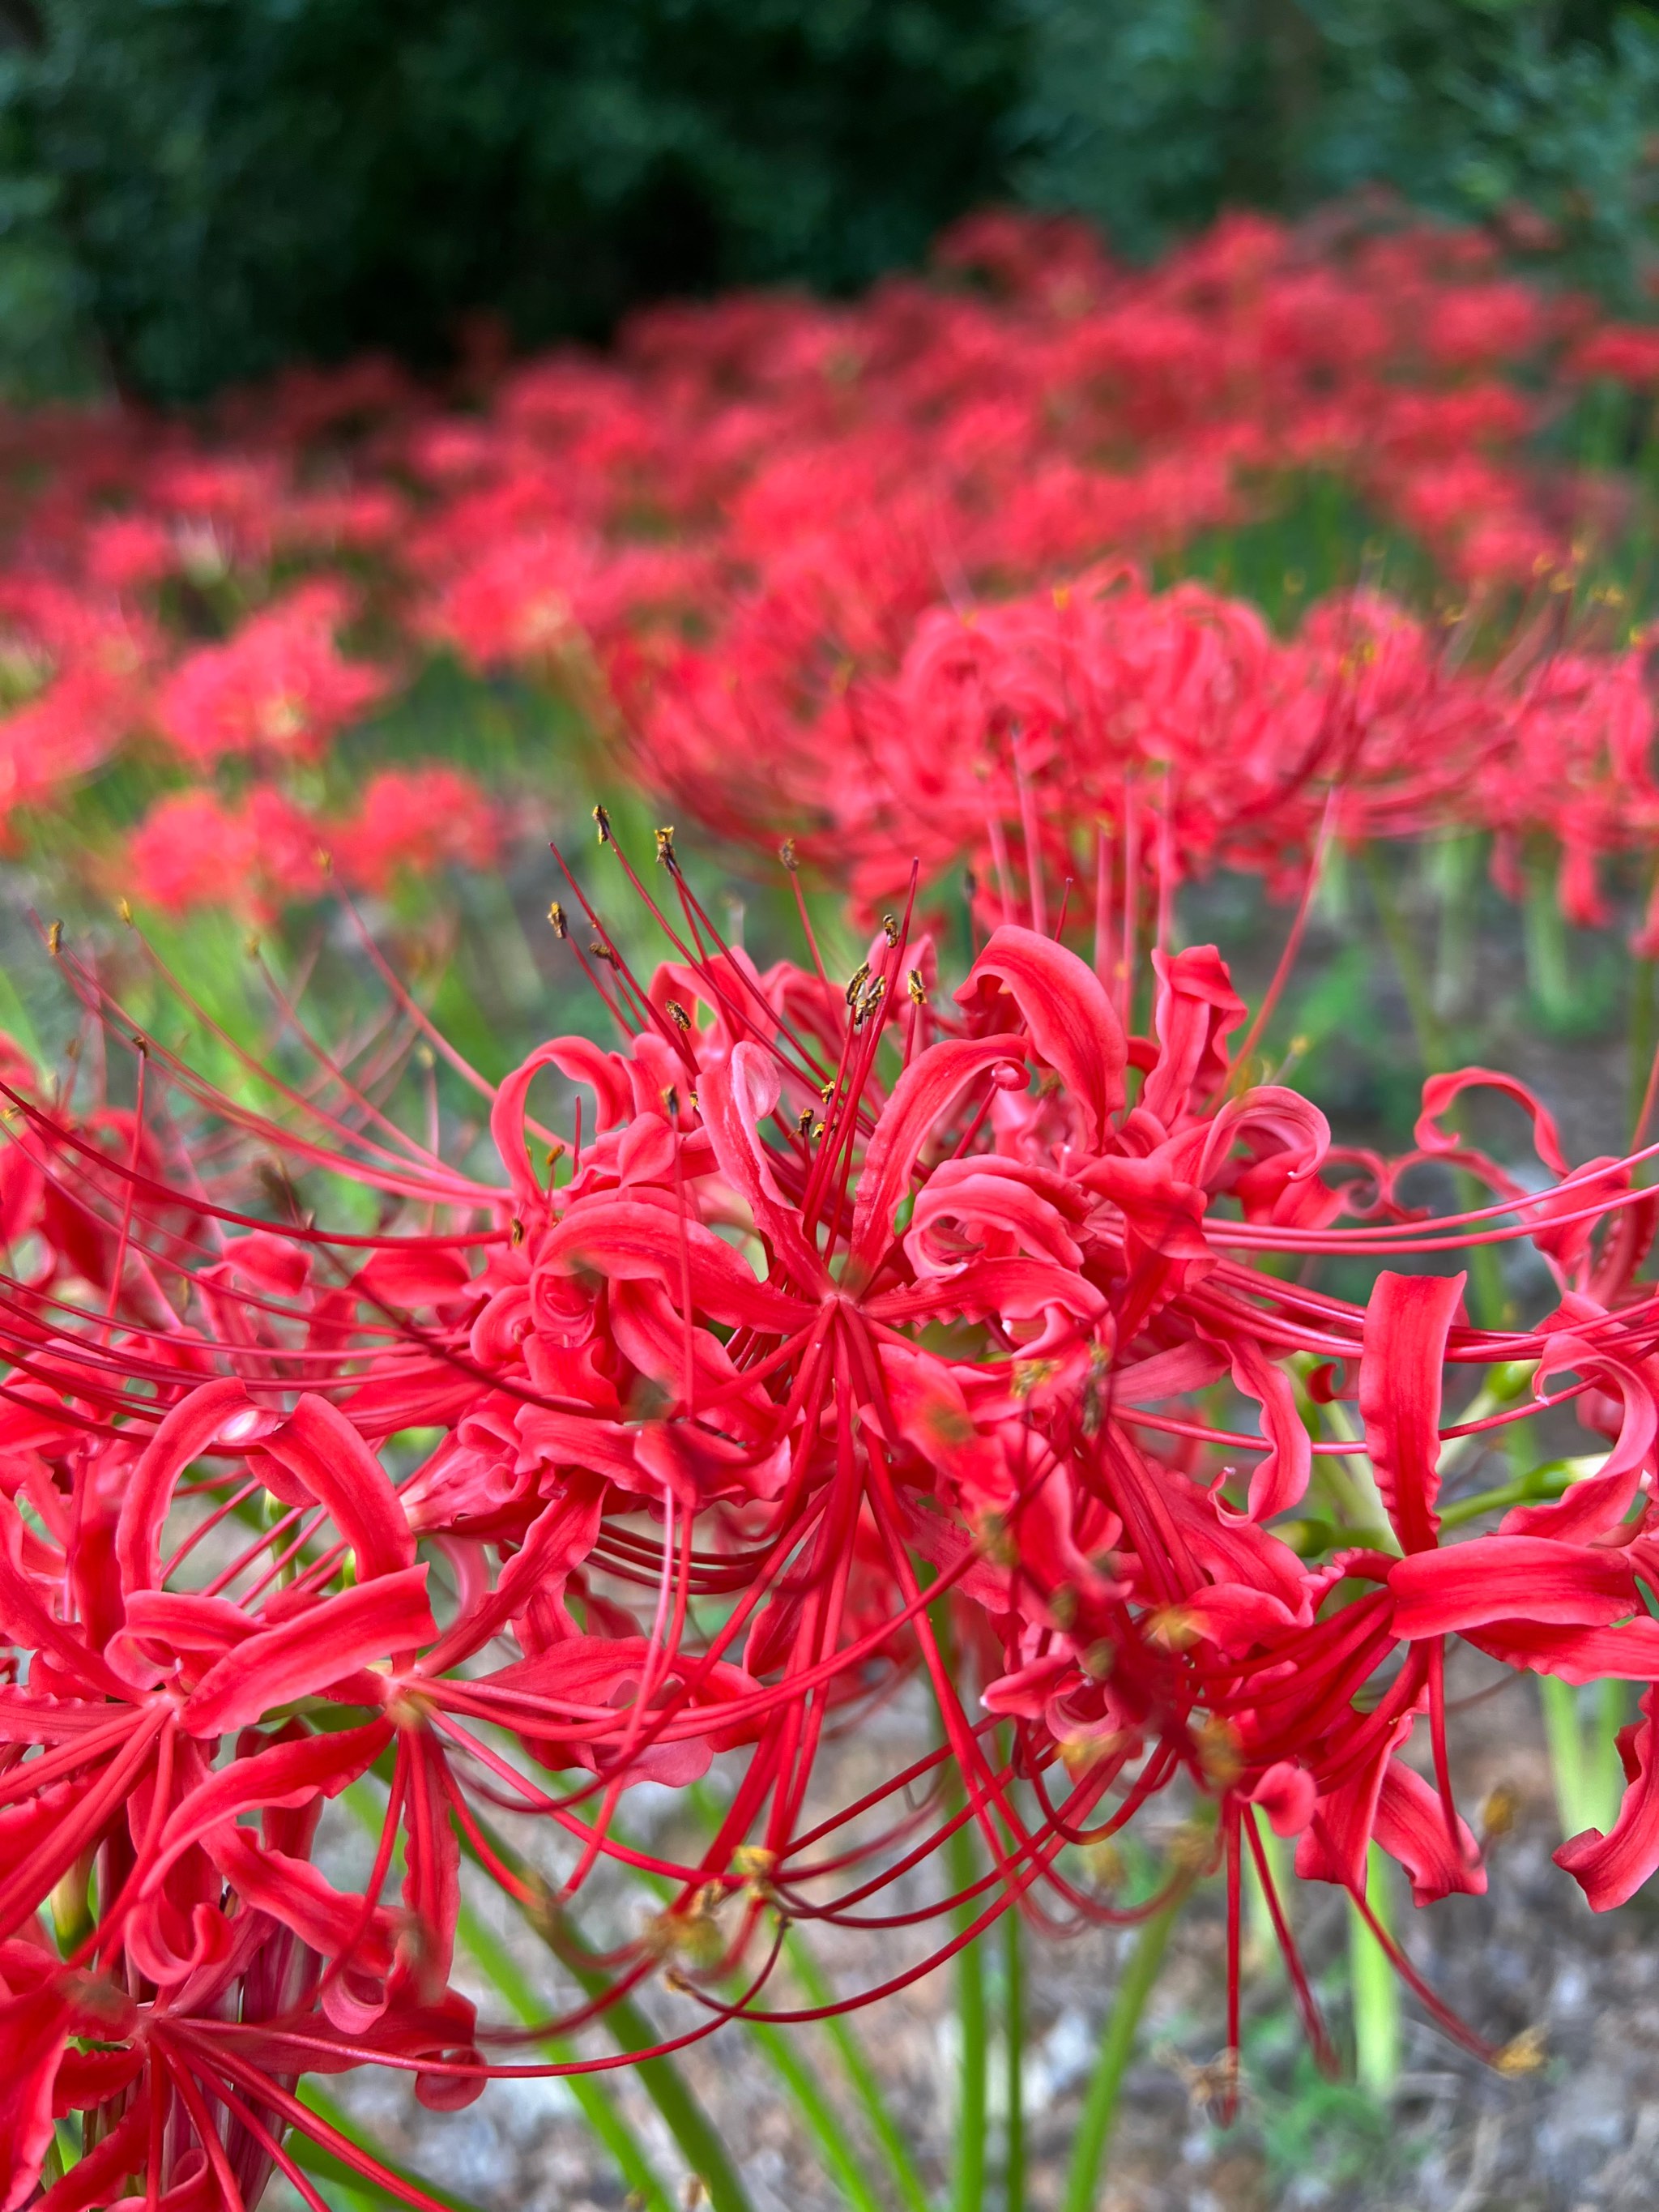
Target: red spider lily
x=738, y=520
x=72, y=685
x=263, y=852
x=192, y=849
x=1034, y=738
x=279, y=688
x=860, y=1336
x=413, y=822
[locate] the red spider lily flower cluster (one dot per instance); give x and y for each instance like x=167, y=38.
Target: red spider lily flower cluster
x=861, y=1331
x=1035, y=736
x=749, y=518
x=263, y=851
x=279, y=688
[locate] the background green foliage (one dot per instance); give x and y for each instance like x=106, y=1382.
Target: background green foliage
x=1150, y=115
x=192, y=191
x=210, y=187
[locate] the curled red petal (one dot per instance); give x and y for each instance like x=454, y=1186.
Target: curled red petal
x=1439, y=1091
x=320, y=1445
x=1611, y=1868
x=187, y=1431
x=322, y=1645
x=926, y=1091
x=1407, y=1324
x=1441, y=1593
x=1072, y=1023
x=283, y=1775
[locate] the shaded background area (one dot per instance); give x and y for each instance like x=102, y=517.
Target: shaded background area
x=194, y=191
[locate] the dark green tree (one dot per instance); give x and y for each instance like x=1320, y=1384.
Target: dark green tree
x=211, y=187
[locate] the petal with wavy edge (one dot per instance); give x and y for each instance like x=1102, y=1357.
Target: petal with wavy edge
x=1072, y=1024
x=1404, y=1349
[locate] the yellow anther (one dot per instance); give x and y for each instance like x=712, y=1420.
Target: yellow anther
x=1219, y=1754
x=1497, y=1813
x=1172, y=1627
x=1104, y=1862
x=555, y=914
x=1523, y=2054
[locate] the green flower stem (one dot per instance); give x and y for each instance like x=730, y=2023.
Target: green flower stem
x=597, y=2105
x=862, y=2077
x=327, y=2166
x=1094, y=2127
x=962, y=1872
x=1531, y=1489
x=1376, y=1989
x=1455, y=867
x=682, y=2113
x=795, y=2072
x=1549, y=959
x=1644, y=1028
x=1264, y=1937
x=1485, y=1276
x=1584, y=1761
x=1504, y=1384
x=967, y=2194
x=1349, y=1484
x=779, y=2049
x=1013, y=2029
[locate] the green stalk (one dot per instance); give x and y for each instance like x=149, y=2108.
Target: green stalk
x=968, y=2193
x=1530, y=1489
x=1549, y=963
x=1485, y=1276
x=326, y=2166
x=861, y=2074
x=1376, y=1989
x=1094, y=2126
x=1408, y=967
x=1264, y=1937
x=1454, y=864
x=1644, y=1024
x=1609, y=1710
x=819, y=2115
x=597, y=2106
x=1584, y=1762
x=962, y=1871
x=682, y=2113
x=630, y=2031
x=1013, y=2029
